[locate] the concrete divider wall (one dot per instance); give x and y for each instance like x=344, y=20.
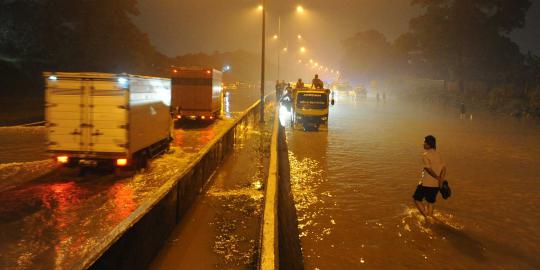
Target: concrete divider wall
x=280, y=244
x=290, y=250
x=135, y=245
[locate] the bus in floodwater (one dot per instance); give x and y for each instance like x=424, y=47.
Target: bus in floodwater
x=311, y=108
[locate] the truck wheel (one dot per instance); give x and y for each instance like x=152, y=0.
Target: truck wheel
x=142, y=161
x=72, y=163
x=82, y=171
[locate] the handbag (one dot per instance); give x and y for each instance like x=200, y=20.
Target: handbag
x=446, y=192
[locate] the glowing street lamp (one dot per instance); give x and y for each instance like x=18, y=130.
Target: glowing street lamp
x=275, y=36
x=299, y=36
x=260, y=8
x=303, y=49
x=300, y=9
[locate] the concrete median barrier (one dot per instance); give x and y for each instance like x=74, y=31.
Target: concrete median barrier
x=280, y=244
x=134, y=243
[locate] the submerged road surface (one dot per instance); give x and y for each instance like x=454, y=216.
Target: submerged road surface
x=222, y=229
x=353, y=185
x=52, y=218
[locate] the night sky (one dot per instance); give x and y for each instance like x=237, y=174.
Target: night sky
x=180, y=26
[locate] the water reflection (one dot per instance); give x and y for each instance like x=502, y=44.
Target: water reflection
x=54, y=219
x=124, y=204
x=372, y=157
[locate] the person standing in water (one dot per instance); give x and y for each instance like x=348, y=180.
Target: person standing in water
x=433, y=174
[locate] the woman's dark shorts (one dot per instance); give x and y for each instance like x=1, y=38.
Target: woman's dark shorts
x=429, y=193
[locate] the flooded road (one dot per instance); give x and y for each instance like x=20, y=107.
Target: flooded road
x=353, y=186
x=53, y=219
x=23, y=153
x=222, y=229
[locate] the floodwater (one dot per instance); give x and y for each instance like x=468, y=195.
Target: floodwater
x=56, y=219
x=222, y=228
x=353, y=186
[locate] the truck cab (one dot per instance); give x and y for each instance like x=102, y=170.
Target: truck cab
x=311, y=108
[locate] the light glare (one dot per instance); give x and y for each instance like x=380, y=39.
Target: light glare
x=121, y=162
x=62, y=159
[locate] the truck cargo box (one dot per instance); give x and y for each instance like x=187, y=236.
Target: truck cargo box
x=196, y=93
x=93, y=117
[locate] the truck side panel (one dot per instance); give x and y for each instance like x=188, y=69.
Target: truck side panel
x=149, y=112
x=216, y=91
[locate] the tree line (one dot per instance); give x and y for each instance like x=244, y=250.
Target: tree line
x=464, y=43
x=91, y=35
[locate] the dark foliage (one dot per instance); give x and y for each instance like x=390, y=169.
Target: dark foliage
x=65, y=35
x=467, y=39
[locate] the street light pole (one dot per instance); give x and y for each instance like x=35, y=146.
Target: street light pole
x=263, y=59
x=279, y=46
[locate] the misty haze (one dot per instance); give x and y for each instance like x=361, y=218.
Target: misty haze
x=270, y=134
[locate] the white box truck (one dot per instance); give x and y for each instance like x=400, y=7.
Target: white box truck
x=196, y=93
x=102, y=119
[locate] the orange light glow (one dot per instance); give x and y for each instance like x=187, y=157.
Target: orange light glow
x=179, y=117
x=203, y=117
x=121, y=162
x=175, y=71
x=62, y=159
x=208, y=71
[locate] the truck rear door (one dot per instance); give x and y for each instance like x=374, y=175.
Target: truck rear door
x=86, y=116
x=64, y=113
x=108, y=117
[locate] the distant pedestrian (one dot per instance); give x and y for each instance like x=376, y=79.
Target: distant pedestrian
x=433, y=174
x=462, y=110
x=378, y=97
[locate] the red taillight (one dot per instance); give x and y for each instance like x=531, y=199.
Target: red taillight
x=121, y=162
x=62, y=159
